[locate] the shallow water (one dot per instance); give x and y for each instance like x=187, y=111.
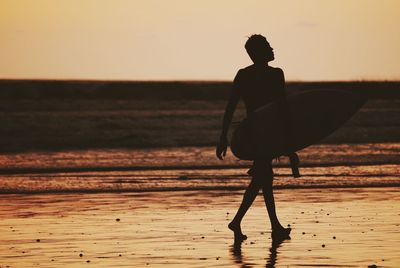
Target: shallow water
x=353, y=227
x=324, y=154
x=192, y=168
x=197, y=179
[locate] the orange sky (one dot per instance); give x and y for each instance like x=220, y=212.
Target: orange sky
x=197, y=40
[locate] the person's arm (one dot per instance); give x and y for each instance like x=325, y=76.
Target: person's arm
x=228, y=115
x=283, y=109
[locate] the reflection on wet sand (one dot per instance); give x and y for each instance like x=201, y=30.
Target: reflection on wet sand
x=330, y=227
x=236, y=251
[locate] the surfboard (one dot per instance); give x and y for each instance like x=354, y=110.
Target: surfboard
x=315, y=114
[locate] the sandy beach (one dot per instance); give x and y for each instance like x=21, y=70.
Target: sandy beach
x=354, y=227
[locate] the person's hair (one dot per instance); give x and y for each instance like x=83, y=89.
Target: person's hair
x=255, y=44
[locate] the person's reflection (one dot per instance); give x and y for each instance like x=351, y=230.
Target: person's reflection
x=236, y=251
x=276, y=243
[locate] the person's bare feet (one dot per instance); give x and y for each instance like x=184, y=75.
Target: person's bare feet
x=281, y=233
x=237, y=231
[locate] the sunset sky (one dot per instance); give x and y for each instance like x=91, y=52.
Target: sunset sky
x=313, y=40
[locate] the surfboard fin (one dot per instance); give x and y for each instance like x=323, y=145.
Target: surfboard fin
x=294, y=164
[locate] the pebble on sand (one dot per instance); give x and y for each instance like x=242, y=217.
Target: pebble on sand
x=37, y=240
x=81, y=255
x=323, y=245
x=117, y=219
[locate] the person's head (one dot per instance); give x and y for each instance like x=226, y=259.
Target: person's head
x=259, y=49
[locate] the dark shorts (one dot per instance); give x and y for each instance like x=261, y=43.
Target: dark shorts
x=261, y=167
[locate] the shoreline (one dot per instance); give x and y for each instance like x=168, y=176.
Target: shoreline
x=203, y=189
x=16, y=171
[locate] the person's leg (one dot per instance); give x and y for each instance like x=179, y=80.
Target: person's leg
x=276, y=226
x=248, y=199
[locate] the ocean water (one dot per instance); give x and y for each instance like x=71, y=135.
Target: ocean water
x=193, y=168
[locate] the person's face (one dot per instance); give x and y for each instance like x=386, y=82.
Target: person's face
x=269, y=52
x=263, y=53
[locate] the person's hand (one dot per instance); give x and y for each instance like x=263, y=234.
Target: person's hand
x=221, y=147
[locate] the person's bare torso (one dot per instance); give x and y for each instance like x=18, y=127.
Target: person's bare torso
x=259, y=85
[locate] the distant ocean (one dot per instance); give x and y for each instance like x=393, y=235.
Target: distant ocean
x=46, y=115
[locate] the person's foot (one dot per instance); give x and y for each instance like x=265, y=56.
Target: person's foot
x=237, y=232
x=280, y=233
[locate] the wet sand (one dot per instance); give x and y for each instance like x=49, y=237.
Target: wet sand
x=353, y=227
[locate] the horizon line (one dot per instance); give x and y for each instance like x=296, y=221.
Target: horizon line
x=187, y=80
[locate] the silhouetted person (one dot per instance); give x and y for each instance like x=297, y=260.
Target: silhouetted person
x=257, y=85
